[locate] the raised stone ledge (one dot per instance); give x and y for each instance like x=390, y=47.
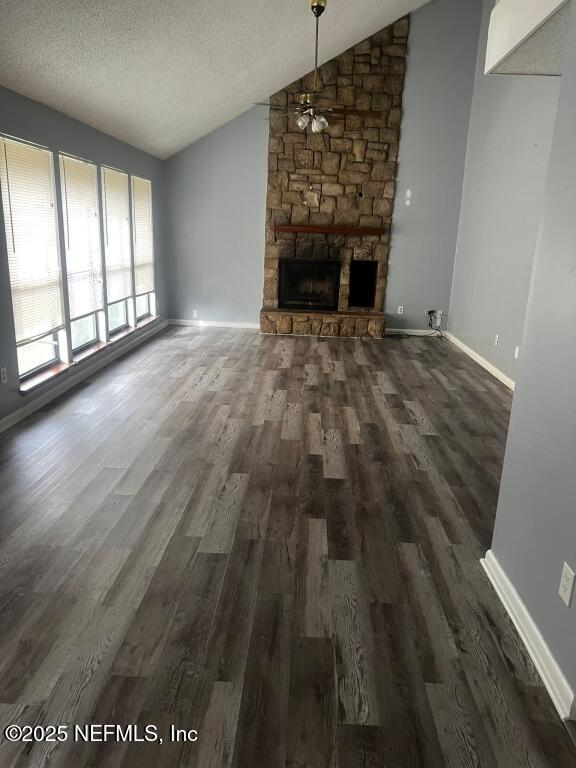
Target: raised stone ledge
x=351, y=324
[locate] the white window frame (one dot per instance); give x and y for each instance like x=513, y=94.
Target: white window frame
x=62, y=349
x=151, y=296
x=127, y=324
x=26, y=375
x=87, y=344
x=64, y=353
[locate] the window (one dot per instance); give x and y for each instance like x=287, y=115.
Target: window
x=116, y=235
x=27, y=183
x=79, y=189
x=84, y=332
x=36, y=355
x=143, y=235
x=117, y=316
x=143, y=245
x=142, y=306
x=81, y=255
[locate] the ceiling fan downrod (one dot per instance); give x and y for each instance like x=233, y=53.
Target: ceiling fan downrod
x=317, y=7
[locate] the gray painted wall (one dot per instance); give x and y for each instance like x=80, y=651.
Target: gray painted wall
x=506, y=162
x=437, y=100
x=216, y=203
x=26, y=119
x=536, y=519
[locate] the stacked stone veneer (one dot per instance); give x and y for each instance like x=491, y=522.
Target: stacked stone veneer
x=343, y=176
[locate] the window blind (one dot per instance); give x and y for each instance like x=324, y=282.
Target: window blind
x=27, y=183
x=116, y=234
x=78, y=182
x=143, y=238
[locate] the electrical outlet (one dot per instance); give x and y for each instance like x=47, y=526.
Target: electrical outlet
x=3, y=376
x=496, y=339
x=408, y=197
x=517, y=353
x=401, y=309
x=194, y=314
x=566, y=584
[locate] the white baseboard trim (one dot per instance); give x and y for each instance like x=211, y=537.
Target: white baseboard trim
x=85, y=369
x=556, y=684
x=496, y=372
x=411, y=331
x=215, y=324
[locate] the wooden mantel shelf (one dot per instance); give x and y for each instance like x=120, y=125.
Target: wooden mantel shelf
x=343, y=230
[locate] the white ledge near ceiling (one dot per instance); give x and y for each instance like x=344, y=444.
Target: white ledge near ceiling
x=527, y=37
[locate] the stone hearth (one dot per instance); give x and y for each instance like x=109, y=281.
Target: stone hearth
x=344, y=177
x=302, y=323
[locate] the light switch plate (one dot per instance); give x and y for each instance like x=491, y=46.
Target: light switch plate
x=566, y=584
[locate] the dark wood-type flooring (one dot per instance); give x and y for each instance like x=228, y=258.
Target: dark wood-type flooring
x=273, y=540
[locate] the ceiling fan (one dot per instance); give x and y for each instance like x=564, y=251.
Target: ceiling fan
x=310, y=108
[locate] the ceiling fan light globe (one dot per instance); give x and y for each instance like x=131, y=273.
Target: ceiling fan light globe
x=319, y=124
x=302, y=122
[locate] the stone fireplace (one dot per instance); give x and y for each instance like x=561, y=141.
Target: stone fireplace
x=330, y=196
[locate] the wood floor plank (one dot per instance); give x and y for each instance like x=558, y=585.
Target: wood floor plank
x=219, y=727
x=262, y=727
x=189, y=638
x=353, y=647
x=314, y=582
x=228, y=652
x=311, y=714
x=223, y=516
x=151, y=626
x=454, y=730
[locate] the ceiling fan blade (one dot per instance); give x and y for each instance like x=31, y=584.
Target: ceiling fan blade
x=351, y=111
x=265, y=104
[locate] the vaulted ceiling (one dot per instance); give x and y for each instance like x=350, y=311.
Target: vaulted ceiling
x=159, y=74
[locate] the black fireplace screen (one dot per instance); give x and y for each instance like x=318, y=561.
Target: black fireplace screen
x=308, y=284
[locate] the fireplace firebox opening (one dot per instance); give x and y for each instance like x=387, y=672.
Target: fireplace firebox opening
x=362, y=283
x=308, y=284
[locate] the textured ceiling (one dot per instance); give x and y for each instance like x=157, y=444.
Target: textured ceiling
x=543, y=52
x=160, y=75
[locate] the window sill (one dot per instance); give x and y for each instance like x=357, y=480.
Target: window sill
x=29, y=385
x=57, y=370
x=121, y=333
x=146, y=320
x=89, y=351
